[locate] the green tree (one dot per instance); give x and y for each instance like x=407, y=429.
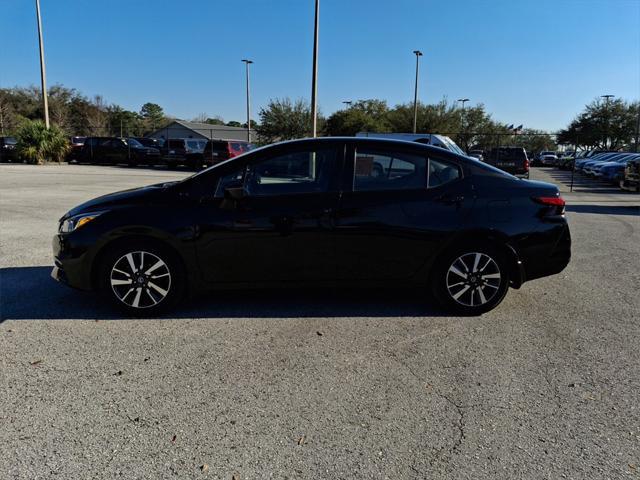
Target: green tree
x=438, y=118
x=362, y=116
x=37, y=143
x=153, y=115
x=283, y=119
x=233, y=123
x=214, y=121
x=124, y=122
x=603, y=125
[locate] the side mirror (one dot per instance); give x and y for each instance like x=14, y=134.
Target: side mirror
x=235, y=193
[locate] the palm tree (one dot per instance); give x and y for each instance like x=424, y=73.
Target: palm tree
x=36, y=143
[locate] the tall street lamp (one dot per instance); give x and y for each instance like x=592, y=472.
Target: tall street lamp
x=606, y=99
x=418, y=54
x=247, y=63
x=314, y=76
x=43, y=73
x=348, y=103
x=463, y=101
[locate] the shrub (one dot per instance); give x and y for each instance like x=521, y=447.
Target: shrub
x=37, y=144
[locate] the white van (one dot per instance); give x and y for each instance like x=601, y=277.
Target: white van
x=436, y=140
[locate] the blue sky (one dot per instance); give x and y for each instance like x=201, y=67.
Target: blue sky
x=534, y=62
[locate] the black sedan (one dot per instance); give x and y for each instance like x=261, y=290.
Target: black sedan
x=330, y=211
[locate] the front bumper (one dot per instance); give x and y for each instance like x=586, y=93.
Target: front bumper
x=71, y=264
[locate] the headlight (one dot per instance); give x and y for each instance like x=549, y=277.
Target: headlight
x=73, y=223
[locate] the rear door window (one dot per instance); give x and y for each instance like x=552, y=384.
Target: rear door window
x=378, y=170
x=442, y=172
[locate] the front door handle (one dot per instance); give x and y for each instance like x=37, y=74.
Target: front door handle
x=450, y=199
x=242, y=223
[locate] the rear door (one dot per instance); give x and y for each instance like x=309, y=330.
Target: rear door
x=396, y=210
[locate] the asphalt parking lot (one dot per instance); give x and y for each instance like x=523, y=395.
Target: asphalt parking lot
x=318, y=384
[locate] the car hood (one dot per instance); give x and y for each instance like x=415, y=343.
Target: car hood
x=124, y=197
x=611, y=164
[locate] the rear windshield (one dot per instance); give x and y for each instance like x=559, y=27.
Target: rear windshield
x=172, y=143
x=509, y=153
x=10, y=141
x=219, y=146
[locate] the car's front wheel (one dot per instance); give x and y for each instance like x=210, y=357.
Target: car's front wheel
x=471, y=280
x=142, y=279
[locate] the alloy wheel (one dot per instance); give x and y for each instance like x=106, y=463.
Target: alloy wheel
x=473, y=279
x=140, y=279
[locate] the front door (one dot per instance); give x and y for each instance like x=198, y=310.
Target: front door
x=278, y=226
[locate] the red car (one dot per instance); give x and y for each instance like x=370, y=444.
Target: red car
x=216, y=151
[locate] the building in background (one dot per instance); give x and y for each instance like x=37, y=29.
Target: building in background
x=206, y=131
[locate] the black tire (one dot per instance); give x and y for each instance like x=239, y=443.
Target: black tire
x=160, y=286
x=172, y=165
x=474, y=294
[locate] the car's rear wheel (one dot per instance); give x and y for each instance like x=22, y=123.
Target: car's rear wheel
x=142, y=279
x=471, y=280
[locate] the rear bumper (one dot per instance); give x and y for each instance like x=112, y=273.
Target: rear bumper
x=554, y=261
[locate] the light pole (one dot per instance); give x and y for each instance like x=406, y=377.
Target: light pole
x=43, y=73
x=418, y=54
x=247, y=63
x=463, y=101
x=314, y=76
x=348, y=103
x=606, y=99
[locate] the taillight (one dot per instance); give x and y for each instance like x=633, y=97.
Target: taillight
x=551, y=201
x=557, y=202
x=526, y=165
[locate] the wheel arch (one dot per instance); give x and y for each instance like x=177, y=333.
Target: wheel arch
x=496, y=239
x=149, y=237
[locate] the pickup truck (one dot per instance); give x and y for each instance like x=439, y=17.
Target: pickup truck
x=512, y=160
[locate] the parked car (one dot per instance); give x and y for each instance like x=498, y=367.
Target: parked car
x=75, y=146
x=587, y=167
x=631, y=180
x=598, y=156
x=310, y=212
x=512, y=160
x=613, y=172
x=116, y=150
x=8, y=151
x=433, y=139
x=479, y=154
x=567, y=161
x=546, y=159
x=216, y=151
x=183, y=151
x=149, y=142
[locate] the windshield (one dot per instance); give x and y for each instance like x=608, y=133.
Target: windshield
x=451, y=145
x=135, y=143
x=10, y=141
x=222, y=164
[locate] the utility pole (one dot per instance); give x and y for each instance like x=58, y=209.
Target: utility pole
x=247, y=63
x=314, y=76
x=462, y=124
x=418, y=54
x=638, y=129
x=43, y=73
x=607, y=97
